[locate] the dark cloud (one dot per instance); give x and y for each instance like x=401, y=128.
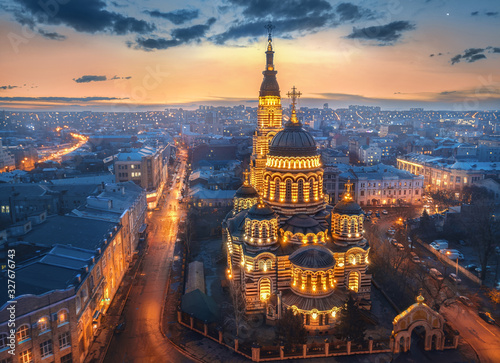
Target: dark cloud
x=116, y=77
x=476, y=57
x=384, y=34
x=348, y=12
x=87, y=79
x=179, y=36
x=89, y=16
x=487, y=13
x=282, y=28
x=281, y=9
x=289, y=16
x=8, y=87
x=51, y=35
x=60, y=99
x=177, y=17
x=473, y=54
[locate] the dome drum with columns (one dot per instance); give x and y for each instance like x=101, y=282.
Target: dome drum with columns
x=286, y=248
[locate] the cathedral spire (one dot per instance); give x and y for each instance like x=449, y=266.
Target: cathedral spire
x=269, y=52
x=294, y=95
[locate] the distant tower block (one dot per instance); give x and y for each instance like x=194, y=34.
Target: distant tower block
x=269, y=117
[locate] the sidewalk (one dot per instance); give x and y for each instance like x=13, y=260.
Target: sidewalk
x=99, y=346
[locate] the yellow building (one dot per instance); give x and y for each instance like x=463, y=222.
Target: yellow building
x=286, y=247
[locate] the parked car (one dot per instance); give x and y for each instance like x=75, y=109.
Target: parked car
x=384, y=212
x=436, y=274
x=391, y=231
x=452, y=254
x=414, y=257
x=120, y=327
x=486, y=317
x=393, y=241
x=465, y=300
x=471, y=267
x=454, y=278
x=439, y=244
x=369, y=213
x=377, y=214
x=399, y=246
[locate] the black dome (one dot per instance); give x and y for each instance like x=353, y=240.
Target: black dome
x=293, y=140
x=246, y=191
x=261, y=211
x=269, y=86
x=313, y=257
x=349, y=207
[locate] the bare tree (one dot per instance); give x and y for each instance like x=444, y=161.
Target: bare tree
x=484, y=231
x=236, y=308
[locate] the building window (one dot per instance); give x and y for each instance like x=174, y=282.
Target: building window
x=354, y=281
x=43, y=324
x=3, y=340
x=6, y=360
x=23, y=333
x=78, y=304
x=62, y=317
x=26, y=356
x=264, y=289
x=46, y=348
x=67, y=358
x=64, y=340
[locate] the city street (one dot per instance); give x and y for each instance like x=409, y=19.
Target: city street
x=484, y=337
x=142, y=341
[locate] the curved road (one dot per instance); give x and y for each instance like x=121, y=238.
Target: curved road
x=483, y=337
x=142, y=340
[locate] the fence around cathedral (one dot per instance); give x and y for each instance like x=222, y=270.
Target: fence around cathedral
x=270, y=353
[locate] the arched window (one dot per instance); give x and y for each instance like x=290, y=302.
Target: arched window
x=23, y=333
x=311, y=189
x=264, y=231
x=300, y=191
x=264, y=289
x=277, y=190
x=43, y=323
x=265, y=265
x=288, y=195
x=351, y=259
x=62, y=316
x=78, y=303
x=354, y=281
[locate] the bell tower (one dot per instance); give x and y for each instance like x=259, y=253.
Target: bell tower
x=269, y=116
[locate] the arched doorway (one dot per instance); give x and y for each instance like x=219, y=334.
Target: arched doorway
x=423, y=320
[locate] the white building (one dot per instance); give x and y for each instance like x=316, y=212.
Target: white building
x=370, y=154
x=7, y=160
x=374, y=185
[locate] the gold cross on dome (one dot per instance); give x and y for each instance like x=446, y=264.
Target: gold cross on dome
x=294, y=95
x=269, y=28
x=246, y=173
x=347, y=194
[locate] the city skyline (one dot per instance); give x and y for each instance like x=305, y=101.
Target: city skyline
x=120, y=56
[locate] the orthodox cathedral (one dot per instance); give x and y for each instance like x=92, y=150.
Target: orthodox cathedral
x=287, y=248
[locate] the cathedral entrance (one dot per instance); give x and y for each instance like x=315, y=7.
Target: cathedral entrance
x=418, y=320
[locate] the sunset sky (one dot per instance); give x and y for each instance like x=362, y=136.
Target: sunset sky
x=150, y=55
